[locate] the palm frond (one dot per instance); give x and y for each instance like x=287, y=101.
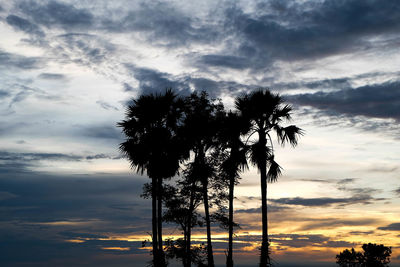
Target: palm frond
x=274, y=170
x=290, y=134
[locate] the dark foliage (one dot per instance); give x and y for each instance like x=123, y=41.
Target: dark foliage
x=373, y=255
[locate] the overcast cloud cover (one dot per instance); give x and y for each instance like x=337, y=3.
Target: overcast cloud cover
x=68, y=69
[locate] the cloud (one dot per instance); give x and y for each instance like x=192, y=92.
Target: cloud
x=106, y=105
x=4, y=94
x=74, y=235
x=299, y=241
x=151, y=81
x=52, y=76
x=163, y=23
x=271, y=208
x=390, y=227
x=229, y=61
x=26, y=157
x=25, y=160
x=326, y=118
x=293, y=31
x=324, y=201
x=41, y=198
x=85, y=49
x=378, y=101
x=53, y=14
x=24, y=25
x=363, y=233
x=99, y=131
x=6, y=195
x=397, y=191
x=335, y=223
x=10, y=60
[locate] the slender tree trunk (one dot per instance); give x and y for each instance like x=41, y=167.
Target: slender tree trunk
x=229, y=260
x=265, y=259
x=185, y=236
x=154, y=221
x=159, y=222
x=189, y=226
x=210, y=257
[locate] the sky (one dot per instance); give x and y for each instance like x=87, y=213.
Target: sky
x=68, y=69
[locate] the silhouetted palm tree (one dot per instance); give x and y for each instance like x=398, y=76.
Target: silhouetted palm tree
x=200, y=128
x=234, y=161
x=265, y=111
x=152, y=146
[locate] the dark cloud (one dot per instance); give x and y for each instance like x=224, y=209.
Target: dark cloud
x=233, y=62
x=391, y=227
x=18, y=92
x=26, y=157
x=151, y=81
x=311, y=29
x=10, y=60
x=324, y=201
x=317, y=180
x=397, y=191
x=163, y=24
x=346, y=181
x=44, y=199
x=84, y=49
x=24, y=25
x=216, y=88
x=22, y=251
x=52, y=76
x=74, y=235
x=271, y=208
x=128, y=88
x=298, y=241
x=343, y=185
x=106, y=105
x=334, y=119
x=331, y=223
x=383, y=169
x=324, y=84
x=53, y=13
x=101, y=156
x=363, y=233
x=378, y=100
x=40, y=212
x=100, y=131
x=4, y=94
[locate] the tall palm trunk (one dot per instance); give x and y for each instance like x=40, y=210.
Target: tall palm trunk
x=159, y=221
x=229, y=260
x=154, y=221
x=210, y=257
x=265, y=259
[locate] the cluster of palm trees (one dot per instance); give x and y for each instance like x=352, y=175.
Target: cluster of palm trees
x=205, y=148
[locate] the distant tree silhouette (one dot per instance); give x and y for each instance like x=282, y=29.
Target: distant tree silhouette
x=348, y=258
x=373, y=255
x=152, y=146
x=178, y=201
x=265, y=111
x=176, y=249
x=200, y=127
x=233, y=162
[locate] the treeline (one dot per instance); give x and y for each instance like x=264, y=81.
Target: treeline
x=206, y=147
x=373, y=255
